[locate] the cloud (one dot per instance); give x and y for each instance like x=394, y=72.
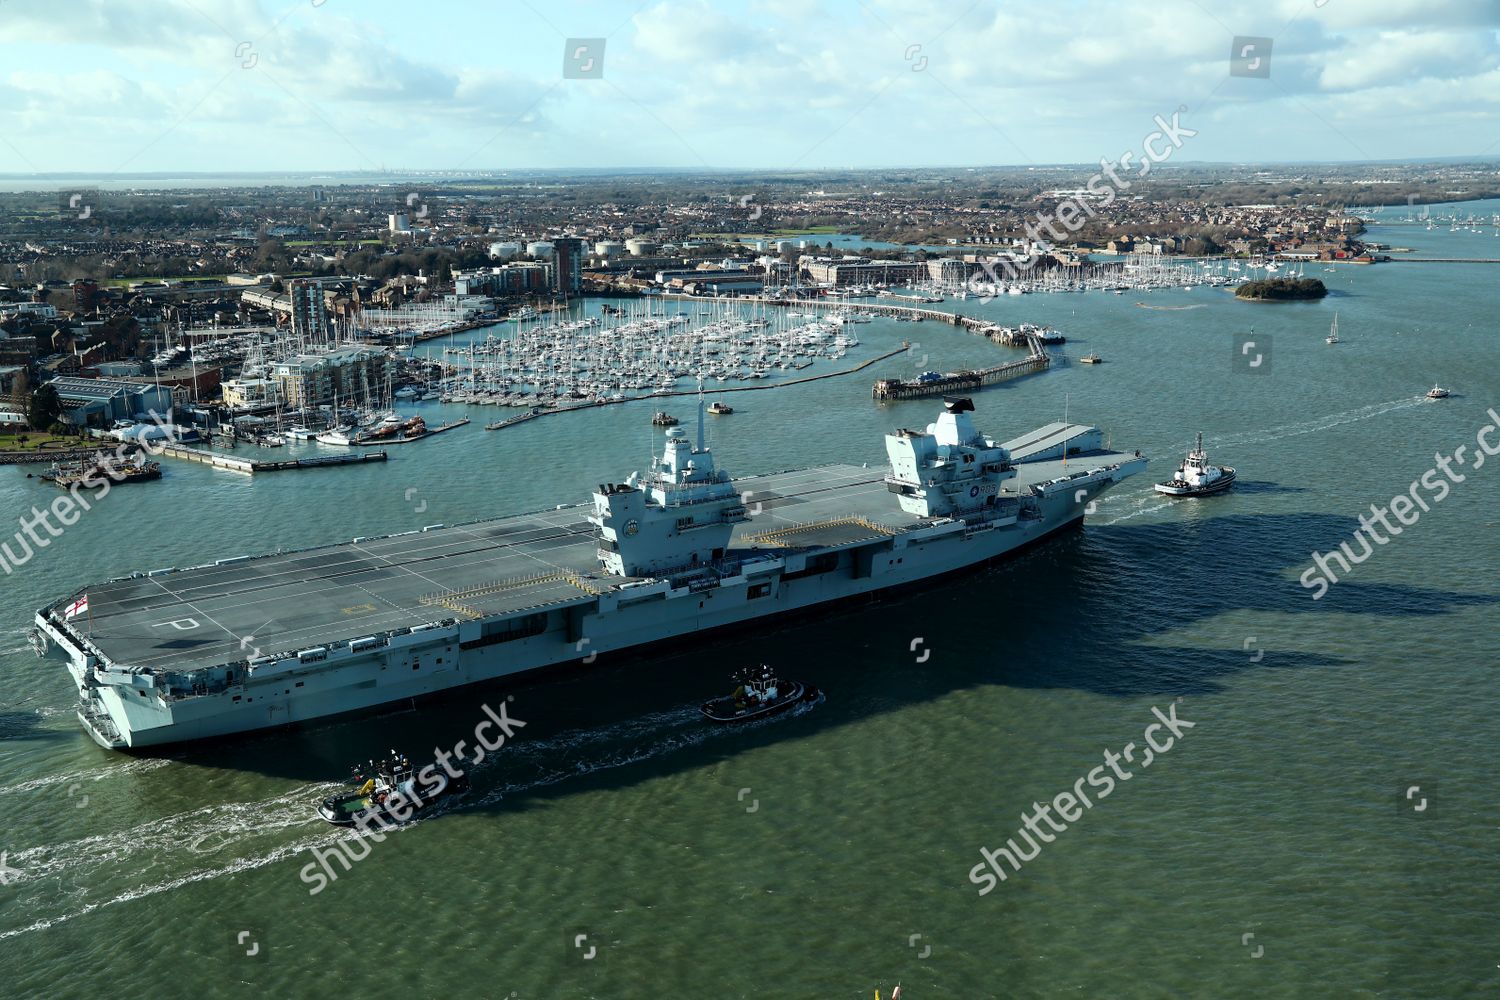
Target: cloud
x=689, y=82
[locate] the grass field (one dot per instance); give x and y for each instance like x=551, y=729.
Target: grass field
x=37, y=441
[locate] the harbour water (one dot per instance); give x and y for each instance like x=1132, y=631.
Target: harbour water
x=1277, y=850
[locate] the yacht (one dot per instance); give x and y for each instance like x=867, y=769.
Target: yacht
x=1333, y=331
x=337, y=436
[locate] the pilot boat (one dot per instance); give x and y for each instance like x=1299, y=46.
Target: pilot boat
x=395, y=794
x=1437, y=392
x=1196, y=478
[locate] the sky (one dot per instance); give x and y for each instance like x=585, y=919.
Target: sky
x=119, y=87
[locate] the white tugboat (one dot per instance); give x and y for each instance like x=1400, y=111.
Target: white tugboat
x=1196, y=478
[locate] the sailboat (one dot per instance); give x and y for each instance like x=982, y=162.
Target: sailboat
x=1333, y=331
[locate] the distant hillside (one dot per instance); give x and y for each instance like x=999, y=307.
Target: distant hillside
x=1282, y=289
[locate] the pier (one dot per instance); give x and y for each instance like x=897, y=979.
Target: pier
x=430, y=432
x=969, y=379
x=252, y=467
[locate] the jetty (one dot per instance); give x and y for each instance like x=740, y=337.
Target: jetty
x=252, y=467
x=429, y=432
x=966, y=380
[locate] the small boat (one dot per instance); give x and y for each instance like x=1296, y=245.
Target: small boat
x=91, y=472
x=1333, y=331
x=1437, y=392
x=759, y=693
x=1091, y=359
x=300, y=433
x=664, y=419
x=1196, y=478
x=721, y=409
x=338, y=437
x=395, y=794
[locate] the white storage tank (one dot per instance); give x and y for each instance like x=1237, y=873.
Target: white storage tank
x=539, y=249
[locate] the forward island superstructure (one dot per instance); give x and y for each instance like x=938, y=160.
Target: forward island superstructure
x=248, y=643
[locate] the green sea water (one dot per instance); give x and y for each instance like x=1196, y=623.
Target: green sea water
x=618, y=848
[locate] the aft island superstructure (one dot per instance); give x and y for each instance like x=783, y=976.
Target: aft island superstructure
x=253, y=642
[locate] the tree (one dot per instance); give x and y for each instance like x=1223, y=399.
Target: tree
x=45, y=408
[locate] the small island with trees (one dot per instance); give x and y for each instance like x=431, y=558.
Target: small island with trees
x=1281, y=290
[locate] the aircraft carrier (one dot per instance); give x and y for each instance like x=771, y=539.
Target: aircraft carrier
x=248, y=643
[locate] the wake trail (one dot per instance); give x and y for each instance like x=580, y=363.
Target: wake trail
x=215, y=828
x=1326, y=422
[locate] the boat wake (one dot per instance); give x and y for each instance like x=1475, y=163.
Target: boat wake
x=1137, y=504
x=1323, y=423
x=93, y=775
x=226, y=839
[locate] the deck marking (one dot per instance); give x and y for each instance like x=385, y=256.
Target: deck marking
x=177, y=623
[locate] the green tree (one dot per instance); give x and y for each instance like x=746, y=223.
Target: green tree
x=45, y=408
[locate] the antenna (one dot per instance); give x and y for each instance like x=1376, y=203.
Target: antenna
x=700, y=413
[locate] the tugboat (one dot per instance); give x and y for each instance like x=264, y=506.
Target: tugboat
x=1196, y=478
x=664, y=419
x=720, y=409
x=759, y=693
x=395, y=794
x=1437, y=392
x=1091, y=359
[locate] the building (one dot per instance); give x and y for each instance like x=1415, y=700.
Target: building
x=35, y=310
x=309, y=311
x=99, y=401
x=321, y=377
x=567, y=275
x=509, y=279
x=399, y=224
x=85, y=295
x=197, y=383
x=17, y=350
x=859, y=271
x=248, y=393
